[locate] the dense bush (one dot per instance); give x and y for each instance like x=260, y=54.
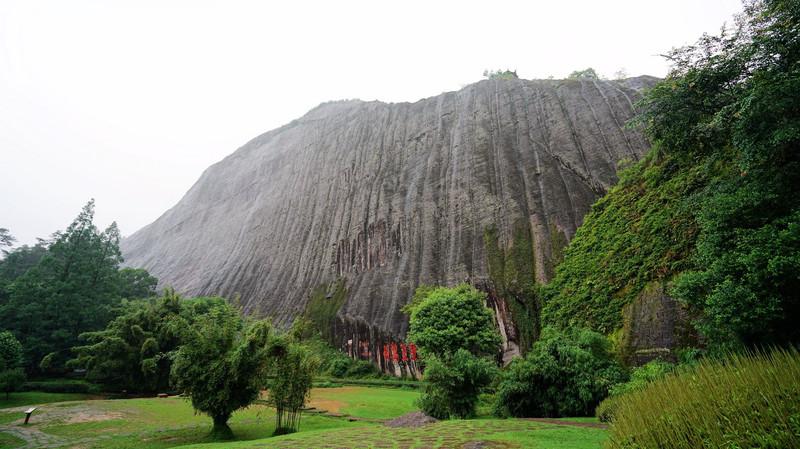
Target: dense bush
x=222, y=364
x=11, y=374
x=135, y=351
x=564, y=374
x=640, y=378
x=743, y=401
x=62, y=386
x=732, y=100
x=454, y=384
x=444, y=320
x=291, y=377
x=454, y=330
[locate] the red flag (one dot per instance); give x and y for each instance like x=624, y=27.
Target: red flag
x=403, y=350
x=413, y=348
x=394, y=351
x=386, y=352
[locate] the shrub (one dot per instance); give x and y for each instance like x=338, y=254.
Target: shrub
x=62, y=386
x=292, y=372
x=221, y=365
x=135, y=351
x=448, y=319
x=564, y=374
x=640, y=378
x=454, y=384
x=12, y=375
x=745, y=400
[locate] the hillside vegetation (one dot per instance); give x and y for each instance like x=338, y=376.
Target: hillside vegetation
x=713, y=210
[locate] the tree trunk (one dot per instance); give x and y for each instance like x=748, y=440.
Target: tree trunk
x=221, y=430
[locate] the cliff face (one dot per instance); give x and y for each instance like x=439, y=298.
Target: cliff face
x=375, y=199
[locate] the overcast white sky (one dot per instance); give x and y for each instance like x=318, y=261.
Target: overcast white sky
x=128, y=102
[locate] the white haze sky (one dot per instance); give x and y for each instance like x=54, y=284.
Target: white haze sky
x=129, y=101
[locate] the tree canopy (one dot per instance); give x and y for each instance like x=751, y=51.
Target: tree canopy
x=135, y=351
x=52, y=292
x=448, y=319
x=221, y=364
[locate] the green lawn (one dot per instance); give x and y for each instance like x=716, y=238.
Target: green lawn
x=170, y=422
x=365, y=402
x=506, y=433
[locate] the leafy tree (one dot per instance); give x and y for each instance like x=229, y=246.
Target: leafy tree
x=11, y=375
x=454, y=384
x=6, y=239
x=292, y=372
x=732, y=100
x=565, y=374
x=136, y=283
x=453, y=329
x=448, y=319
x=588, y=73
x=135, y=351
x=72, y=288
x=221, y=365
x=500, y=74
x=713, y=208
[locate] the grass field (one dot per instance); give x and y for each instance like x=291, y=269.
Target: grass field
x=79, y=421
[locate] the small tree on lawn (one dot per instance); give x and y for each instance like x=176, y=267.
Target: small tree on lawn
x=455, y=332
x=221, y=365
x=11, y=374
x=292, y=368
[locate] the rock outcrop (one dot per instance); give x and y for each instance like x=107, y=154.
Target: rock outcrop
x=379, y=198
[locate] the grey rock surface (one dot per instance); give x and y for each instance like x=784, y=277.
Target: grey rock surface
x=388, y=196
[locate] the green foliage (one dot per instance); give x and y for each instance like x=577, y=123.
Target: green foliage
x=6, y=239
x=640, y=378
x=732, y=100
x=53, y=292
x=11, y=375
x=332, y=362
x=500, y=74
x=448, y=319
x=564, y=374
x=221, y=364
x=325, y=302
x=454, y=384
x=292, y=375
x=642, y=230
x=714, y=206
x=135, y=351
x=136, y=283
x=62, y=386
x=512, y=270
x=747, y=400
x=588, y=73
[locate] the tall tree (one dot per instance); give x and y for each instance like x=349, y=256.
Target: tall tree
x=6, y=239
x=136, y=350
x=72, y=289
x=11, y=375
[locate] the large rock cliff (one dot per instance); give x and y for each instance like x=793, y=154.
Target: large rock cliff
x=350, y=207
